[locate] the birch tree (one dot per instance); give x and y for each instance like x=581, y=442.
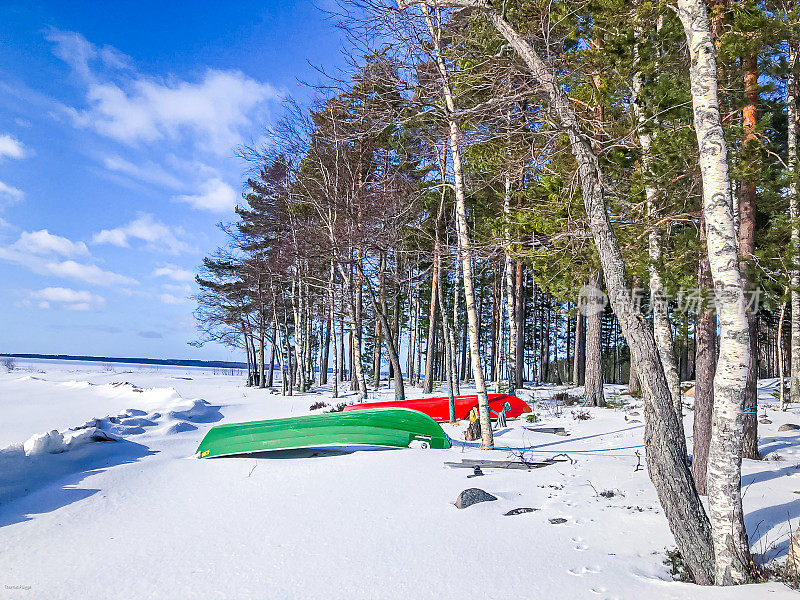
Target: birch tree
x=465, y=243
x=731, y=548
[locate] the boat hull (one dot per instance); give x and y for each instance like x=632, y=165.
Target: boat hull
x=438, y=409
x=375, y=428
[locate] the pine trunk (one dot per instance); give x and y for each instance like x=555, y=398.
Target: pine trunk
x=428, y=384
x=579, y=361
x=705, y=369
x=593, y=309
x=513, y=340
x=519, y=313
x=355, y=352
x=747, y=223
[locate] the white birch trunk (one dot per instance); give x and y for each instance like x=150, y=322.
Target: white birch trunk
x=731, y=549
x=661, y=325
x=331, y=300
x=794, y=214
x=487, y=438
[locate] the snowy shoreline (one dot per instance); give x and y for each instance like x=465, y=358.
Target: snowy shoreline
x=141, y=518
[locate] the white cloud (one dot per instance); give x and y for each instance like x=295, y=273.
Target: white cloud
x=11, y=147
x=183, y=288
x=174, y=272
x=213, y=112
x=156, y=235
x=79, y=300
x=88, y=273
x=172, y=299
x=149, y=172
x=215, y=196
x=10, y=193
x=79, y=53
x=41, y=252
x=43, y=242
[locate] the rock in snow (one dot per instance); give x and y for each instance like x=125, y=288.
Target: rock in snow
x=519, y=511
x=472, y=496
x=788, y=427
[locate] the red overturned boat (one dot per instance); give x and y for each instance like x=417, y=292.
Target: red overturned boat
x=438, y=409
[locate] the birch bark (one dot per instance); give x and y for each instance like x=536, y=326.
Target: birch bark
x=794, y=214
x=661, y=326
x=731, y=549
x=487, y=438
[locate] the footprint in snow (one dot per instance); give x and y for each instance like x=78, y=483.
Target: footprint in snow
x=592, y=570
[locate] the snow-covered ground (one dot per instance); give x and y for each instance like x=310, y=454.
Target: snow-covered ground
x=139, y=517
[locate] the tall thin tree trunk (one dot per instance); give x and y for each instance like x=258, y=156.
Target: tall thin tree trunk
x=412, y=331
x=794, y=214
x=487, y=439
x=249, y=360
x=376, y=362
x=731, y=549
x=428, y=384
x=747, y=223
x=659, y=304
x=332, y=329
x=325, y=349
x=705, y=368
x=519, y=313
x=271, y=371
x=379, y=306
x=781, y=382
x=513, y=336
x=262, y=380
x=447, y=348
x=593, y=385
x=355, y=352
x=579, y=361
x=453, y=329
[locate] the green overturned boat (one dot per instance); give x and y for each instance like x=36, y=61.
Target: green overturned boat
x=362, y=429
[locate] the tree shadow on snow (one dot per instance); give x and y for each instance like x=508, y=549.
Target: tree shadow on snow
x=771, y=444
x=32, y=485
x=760, y=522
x=768, y=474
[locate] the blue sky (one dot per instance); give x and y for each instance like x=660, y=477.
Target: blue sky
x=118, y=124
